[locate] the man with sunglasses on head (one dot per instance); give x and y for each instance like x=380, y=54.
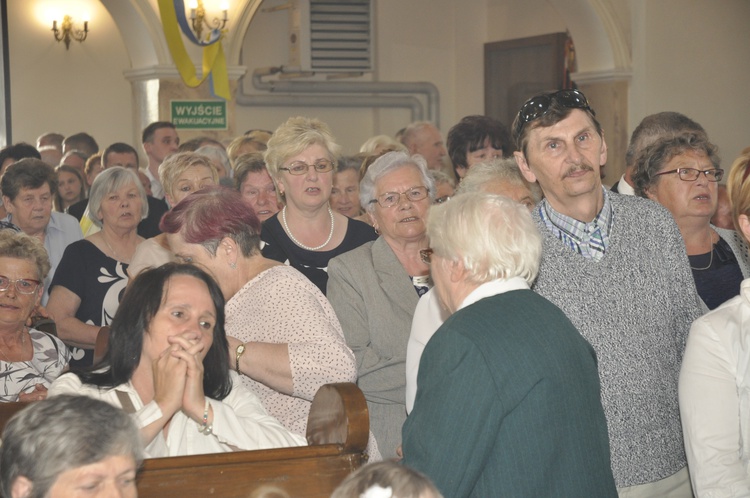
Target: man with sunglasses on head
x=617, y=266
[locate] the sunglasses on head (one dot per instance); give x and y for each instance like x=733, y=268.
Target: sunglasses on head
x=538, y=106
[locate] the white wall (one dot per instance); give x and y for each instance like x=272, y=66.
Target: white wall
x=687, y=55
x=693, y=58
x=67, y=91
x=415, y=42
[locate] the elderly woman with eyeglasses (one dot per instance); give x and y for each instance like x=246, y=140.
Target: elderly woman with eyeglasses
x=375, y=288
x=681, y=173
x=307, y=232
x=29, y=359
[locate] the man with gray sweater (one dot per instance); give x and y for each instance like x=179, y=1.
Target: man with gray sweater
x=617, y=266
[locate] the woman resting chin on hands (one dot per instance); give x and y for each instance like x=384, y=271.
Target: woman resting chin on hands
x=167, y=365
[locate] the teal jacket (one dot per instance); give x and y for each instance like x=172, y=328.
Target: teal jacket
x=508, y=405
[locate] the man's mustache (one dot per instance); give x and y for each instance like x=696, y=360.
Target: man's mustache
x=577, y=168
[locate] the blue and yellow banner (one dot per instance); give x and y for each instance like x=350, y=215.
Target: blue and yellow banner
x=174, y=21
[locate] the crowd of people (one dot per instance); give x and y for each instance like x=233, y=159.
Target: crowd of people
x=517, y=327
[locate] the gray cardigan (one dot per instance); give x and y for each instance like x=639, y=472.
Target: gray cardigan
x=374, y=300
x=635, y=307
x=738, y=246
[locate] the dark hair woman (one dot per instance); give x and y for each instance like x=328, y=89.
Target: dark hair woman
x=167, y=364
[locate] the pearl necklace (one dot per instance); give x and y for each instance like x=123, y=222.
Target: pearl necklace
x=303, y=246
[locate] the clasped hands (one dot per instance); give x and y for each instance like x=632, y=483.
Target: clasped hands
x=178, y=377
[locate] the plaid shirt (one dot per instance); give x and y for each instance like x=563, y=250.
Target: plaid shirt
x=590, y=240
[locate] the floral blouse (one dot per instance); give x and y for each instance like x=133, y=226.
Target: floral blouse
x=50, y=358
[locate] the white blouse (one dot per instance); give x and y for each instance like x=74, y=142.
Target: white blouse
x=240, y=421
x=715, y=399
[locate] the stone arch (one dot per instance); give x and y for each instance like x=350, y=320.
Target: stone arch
x=138, y=17
x=600, y=34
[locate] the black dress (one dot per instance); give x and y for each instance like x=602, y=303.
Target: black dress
x=312, y=264
x=99, y=281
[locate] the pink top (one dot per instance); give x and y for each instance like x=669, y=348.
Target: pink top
x=280, y=305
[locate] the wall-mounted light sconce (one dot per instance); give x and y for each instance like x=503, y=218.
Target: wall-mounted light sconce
x=198, y=17
x=67, y=32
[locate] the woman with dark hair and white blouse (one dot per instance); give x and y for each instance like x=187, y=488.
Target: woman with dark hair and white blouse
x=167, y=366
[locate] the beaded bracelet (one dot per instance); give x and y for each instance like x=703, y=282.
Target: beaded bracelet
x=205, y=428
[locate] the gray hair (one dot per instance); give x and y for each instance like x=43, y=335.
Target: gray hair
x=62, y=433
x=106, y=182
x=346, y=163
x=413, y=131
x=385, y=164
x=500, y=170
x=443, y=177
x=492, y=236
x=18, y=245
x=378, y=143
x=656, y=126
x=176, y=164
x=75, y=152
x=217, y=154
x=653, y=158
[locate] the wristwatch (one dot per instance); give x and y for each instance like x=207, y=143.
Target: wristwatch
x=238, y=354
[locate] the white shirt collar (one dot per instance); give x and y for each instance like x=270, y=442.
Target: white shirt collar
x=624, y=187
x=493, y=288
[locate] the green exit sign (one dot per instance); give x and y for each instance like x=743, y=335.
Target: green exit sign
x=199, y=114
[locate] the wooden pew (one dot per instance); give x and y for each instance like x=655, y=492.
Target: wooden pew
x=7, y=410
x=337, y=434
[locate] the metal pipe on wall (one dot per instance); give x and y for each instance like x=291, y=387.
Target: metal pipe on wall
x=344, y=97
x=411, y=103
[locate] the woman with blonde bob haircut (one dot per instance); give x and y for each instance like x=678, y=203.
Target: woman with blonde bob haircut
x=715, y=377
x=307, y=232
x=181, y=174
x=536, y=421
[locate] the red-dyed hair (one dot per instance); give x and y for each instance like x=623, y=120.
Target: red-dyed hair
x=210, y=214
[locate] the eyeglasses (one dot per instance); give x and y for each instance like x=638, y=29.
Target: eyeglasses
x=390, y=199
x=538, y=106
x=23, y=285
x=692, y=174
x=442, y=199
x=299, y=168
x=426, y=255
